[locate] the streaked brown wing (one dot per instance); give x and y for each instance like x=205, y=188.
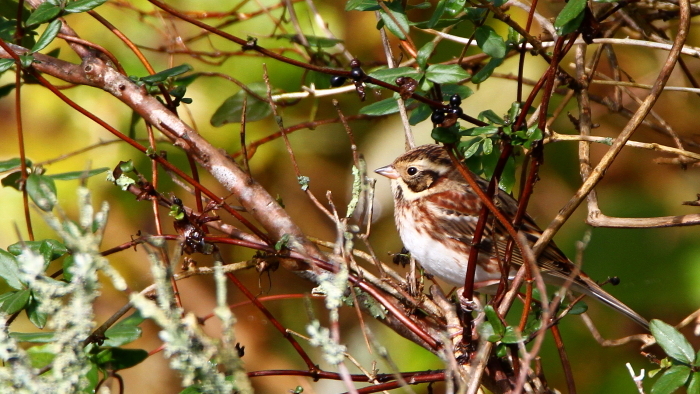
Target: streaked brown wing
x=552, y=258
x=455, y=214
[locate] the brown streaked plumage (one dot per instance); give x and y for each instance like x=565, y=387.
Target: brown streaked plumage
x=436, y=213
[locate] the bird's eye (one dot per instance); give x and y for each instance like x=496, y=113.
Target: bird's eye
x=412, y=171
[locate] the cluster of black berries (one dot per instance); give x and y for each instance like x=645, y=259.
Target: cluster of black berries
x=439, y=114
x=356, y=74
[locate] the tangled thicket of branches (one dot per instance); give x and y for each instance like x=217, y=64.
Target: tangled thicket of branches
x=215, y=208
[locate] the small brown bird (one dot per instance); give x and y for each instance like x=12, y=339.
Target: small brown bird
x=436, y=212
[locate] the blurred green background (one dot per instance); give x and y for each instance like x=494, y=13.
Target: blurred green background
x=659, y=268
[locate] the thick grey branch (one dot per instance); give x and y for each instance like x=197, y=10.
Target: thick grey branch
x=251, y=195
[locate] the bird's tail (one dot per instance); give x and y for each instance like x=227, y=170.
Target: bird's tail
x=588, y=287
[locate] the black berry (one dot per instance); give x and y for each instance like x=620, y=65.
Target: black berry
x=357, y=74
x=337, y=81
x=455, y=100
x=438, y=116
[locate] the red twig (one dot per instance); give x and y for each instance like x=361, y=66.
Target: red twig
x=313, y=368
x=571, y=386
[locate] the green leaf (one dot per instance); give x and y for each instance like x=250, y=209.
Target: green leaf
x=314, y=41
x=533, y=134
x=490, y=42
x=26, y=60
x=513, y=37
x=37, y=318
x=498, y=327
x=424, y=54
x=125, y=331
x=572, y=11
x=445, y=135
x=454, y=7
x=12, y=180
x=395, y=21
x=11, y=164
x=50, y=249
x=195, y=388
x=231, y=109
x=672, y=341
x=481, y=130
x=8, y=27
x=320, y=80
x=419, y=114
x=571, y=26
x=67, y=176
x=43, y=13
x=441, y=24
x=186, y=80
x=476, y=15
x=487, y=146
x=389, y=75
x=513, y=112
x=489, y=161
x=9, y=270
x=41, y=356
x=47, y=36
x=487, y=70
x=420, y=6
x=579, y=308
x=5, y=296
x=42, y=190
x=362, y=5
x=501, y=350
x=116, y=358
x=165, y=74
x=82, y=6
x=491, y=116
x=93, y=378
x=437, y=14
x=470, y=147
x=33, y=337
x=445, y=73
x=487, y=332
x=512, y=337
x=16, y=302
x=506, y=184
x=121, y=335
x=383, y=107
x=5, y=64
x=126, y=166
x=132, y=320
x=671, y=380
x=68, y=263
x=694, y=385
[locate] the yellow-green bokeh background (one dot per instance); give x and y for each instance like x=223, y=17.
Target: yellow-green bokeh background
x=658, y=267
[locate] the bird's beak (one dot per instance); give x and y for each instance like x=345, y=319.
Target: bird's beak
x=388, y=171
